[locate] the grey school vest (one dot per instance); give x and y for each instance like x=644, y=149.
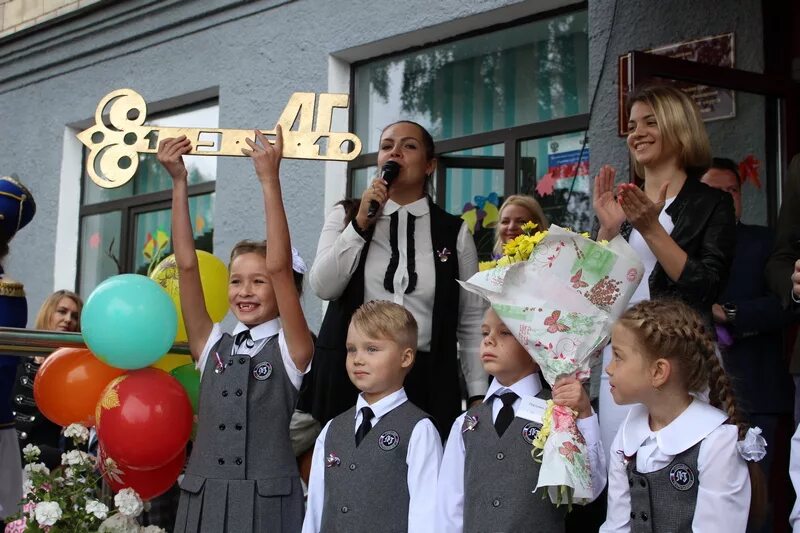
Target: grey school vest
x=500, y=476
x=242, y=475
x=366, y=487
x=664, y=501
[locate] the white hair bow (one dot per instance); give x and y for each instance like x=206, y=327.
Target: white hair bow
x=298, y=265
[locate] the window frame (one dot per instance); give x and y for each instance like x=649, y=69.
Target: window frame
x=511, y=138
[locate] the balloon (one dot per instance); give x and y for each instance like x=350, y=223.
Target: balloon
x=213, y=277
x=189, y=378
x=147, y=483
x=129, y=321
x=69, y=384
x=171, y=361
x=144, y=419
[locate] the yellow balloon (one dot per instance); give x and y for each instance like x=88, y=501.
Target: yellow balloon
x=172, y=361
x=213, y=277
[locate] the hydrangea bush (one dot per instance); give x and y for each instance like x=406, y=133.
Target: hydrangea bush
x=69, y=499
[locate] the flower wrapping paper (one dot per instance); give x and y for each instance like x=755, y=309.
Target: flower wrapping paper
x=560, y=305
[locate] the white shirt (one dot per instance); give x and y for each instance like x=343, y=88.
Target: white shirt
x=260, y=334
x=423, y=459
x=338, y=255
x=723, y=496
x=450, y=492
x=612, y=414
x=794, y=473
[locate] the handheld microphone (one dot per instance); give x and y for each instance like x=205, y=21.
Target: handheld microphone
x=389, y=172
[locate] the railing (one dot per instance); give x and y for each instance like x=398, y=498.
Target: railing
x=30, y=342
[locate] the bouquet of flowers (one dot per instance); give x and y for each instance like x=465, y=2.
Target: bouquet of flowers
x=67, y=499
x=559, y=292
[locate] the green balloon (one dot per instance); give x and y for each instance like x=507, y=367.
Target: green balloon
x=189, y=377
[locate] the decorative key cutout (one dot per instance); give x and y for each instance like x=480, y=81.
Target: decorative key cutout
x=119, y=135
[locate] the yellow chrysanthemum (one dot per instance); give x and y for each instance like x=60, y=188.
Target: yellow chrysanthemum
x=486, y=265
x=528, y=227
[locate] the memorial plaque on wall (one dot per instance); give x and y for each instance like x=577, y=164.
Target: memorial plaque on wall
x=714, y=103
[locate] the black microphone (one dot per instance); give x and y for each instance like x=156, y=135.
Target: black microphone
x=389, y=172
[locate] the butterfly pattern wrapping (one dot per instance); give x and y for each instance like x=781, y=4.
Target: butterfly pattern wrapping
x=560, y=305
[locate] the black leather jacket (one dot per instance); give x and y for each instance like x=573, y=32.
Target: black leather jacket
x=705, y=228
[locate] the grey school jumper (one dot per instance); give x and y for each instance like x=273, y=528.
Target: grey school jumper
x=664, y=501
x=366, y=487
x=500, y=476
x=242, y=475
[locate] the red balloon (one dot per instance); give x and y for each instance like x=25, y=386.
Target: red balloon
x=68, y=385
x=147, y=483
x=144, y=419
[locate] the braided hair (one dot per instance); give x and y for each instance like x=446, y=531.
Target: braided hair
x=673, y=330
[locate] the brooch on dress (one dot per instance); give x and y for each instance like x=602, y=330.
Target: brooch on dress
x=443, y=254
x=220, y=366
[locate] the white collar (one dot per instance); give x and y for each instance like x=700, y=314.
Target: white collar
x=417, y=208
x=530, y=385
x=264, y=330
x=694, y=424
x=384, y=405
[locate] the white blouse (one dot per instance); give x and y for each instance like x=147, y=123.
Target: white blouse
x=723, y=496
x=338, y=255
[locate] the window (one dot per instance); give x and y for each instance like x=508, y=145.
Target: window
x=507, y=108
x=125, y=229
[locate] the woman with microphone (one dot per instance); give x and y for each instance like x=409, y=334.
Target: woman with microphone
x=410, y=252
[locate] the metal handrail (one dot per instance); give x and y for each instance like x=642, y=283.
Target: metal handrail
x=29, y=342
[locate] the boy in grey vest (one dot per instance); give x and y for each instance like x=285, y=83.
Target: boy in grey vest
x=375, y=466
x=488, y=475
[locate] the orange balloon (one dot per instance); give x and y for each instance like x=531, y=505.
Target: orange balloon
x=68, y=386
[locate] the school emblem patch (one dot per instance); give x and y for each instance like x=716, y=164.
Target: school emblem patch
x=681, y=477
x=388, y=440
x=262, y=371
x=530, y=431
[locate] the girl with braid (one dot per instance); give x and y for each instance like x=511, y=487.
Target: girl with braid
x=677, y=463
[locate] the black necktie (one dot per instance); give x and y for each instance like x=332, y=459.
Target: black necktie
x=366, y=424
x=506, y=414
x=244, y=337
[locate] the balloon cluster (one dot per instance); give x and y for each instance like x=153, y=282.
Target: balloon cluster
x=141, y=399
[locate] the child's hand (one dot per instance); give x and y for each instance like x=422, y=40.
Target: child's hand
x=570, y=393
x=265, y=155
x=170, y=155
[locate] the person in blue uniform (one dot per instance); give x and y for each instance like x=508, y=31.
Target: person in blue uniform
x=17, y=208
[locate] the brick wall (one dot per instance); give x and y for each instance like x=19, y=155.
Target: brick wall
x=16, y=15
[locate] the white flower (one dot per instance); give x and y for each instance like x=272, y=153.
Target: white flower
x=27, y=487
x=152, y=529
x=31, y=452
x=98, y=509
x=78, y=433
x=69, y=473
x=32, y=468
x=118, y=523
x=128, y=502
x=75, y=457
x=47, y=513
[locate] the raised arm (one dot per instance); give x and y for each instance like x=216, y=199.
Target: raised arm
x=266, y=160
x=195, y=316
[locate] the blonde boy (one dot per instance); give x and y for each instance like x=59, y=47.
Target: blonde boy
x=375, y=466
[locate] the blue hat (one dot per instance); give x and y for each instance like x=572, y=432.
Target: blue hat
x=17, y=206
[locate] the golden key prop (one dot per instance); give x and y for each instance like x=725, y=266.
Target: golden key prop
x=120, y=134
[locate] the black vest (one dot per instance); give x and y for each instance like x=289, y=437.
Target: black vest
x=432, y=384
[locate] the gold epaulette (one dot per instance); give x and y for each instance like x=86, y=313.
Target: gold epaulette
x=13, y=289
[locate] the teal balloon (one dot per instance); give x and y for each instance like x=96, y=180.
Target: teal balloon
x=189, y=377
x=129, y=321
